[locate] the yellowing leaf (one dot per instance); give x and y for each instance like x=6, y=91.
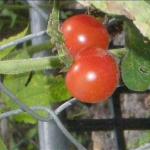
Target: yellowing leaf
x=136, y=10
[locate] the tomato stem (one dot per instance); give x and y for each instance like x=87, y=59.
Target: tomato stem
x=30, y=64
x=119, y=53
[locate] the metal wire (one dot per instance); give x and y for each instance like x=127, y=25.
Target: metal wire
x=20, y=104
x=22, y=40
x=52, y=115
x=37, y=108
x=65, y=105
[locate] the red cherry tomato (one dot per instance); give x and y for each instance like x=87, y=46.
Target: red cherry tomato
x=83, y=31
x=92, y=51
x=93, y=79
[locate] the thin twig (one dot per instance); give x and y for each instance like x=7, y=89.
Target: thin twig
x=22, y=40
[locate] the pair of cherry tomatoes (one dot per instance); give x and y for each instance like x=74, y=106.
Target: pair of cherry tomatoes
x=94, y=75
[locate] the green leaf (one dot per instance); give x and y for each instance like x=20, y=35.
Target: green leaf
x=1, y=3
x=2, y=145
x=58, y=89
x=31, y=49
x=5, y=52
x=11, y=14
x=53, y=30
x=53, y=23
x=41, y=91
x=147, y=1
x=136, y=64
x=138, y=11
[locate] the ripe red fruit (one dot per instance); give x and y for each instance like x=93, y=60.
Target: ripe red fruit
x=92, y=51
x=84, y=31
x=94, y=78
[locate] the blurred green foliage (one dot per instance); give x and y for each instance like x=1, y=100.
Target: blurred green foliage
x=12, y=20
